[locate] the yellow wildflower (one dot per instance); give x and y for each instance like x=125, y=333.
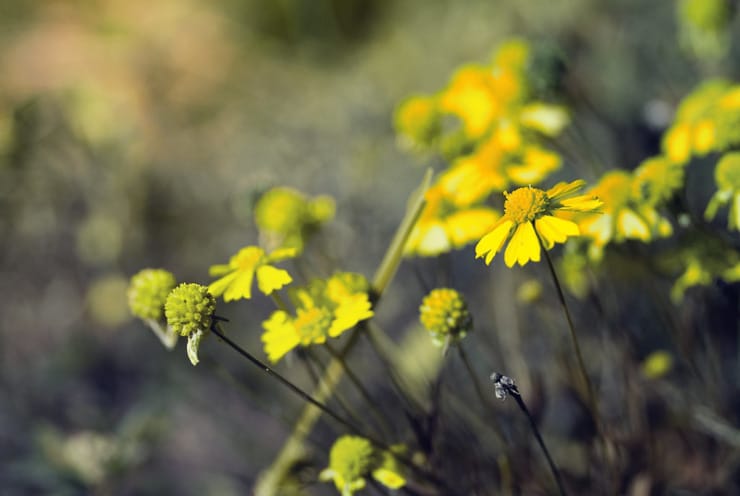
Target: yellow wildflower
x=529, y=216
x=324, y=309
x=417, y=122
x=443, y=227
x=656, y=179
x=352, y=459
x=471, y=96
x=237, y=276
x=624, y=216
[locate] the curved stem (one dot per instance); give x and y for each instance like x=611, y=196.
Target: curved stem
x=541, y=442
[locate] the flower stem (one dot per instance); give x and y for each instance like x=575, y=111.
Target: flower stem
x=479, y=391
x=541, y=442
x=573, y=337
x=379, y=418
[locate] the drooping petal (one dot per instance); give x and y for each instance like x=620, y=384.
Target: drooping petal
x=351, y=311
x=630, y=225
x=598, y=227
x=271, y=279
x=280, y=335
x=555, y=230
x=282, y=254
x=217, y=287
x=219, y=270
x=523, y=247
x=492, y=242
x=240, y=287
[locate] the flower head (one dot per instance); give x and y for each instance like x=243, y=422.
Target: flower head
x=444, y=313
x=530, y=212
x=324, y=309
x=148, y=291
x=189, y=308
x=353, y=458
x=237, y=276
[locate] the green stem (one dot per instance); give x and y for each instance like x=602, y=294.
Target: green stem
x=541, y=442
x=379, y=418
x=573, y=337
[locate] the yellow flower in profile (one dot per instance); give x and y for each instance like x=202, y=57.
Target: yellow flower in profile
x=442, y=226
x=529, y=216
x=625, y=215
x=324, y=309
x=238, y=275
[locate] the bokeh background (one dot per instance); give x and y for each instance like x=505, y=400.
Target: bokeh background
x=139, y=134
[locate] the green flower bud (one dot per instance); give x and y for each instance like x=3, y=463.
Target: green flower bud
x=189, y=308
x=444, y=313
x=147, y=293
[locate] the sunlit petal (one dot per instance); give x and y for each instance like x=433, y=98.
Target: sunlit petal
x=564, y=189
x=492, y=242
x=631, y=225
x=523, y=246
x=240, y=287
x=271, y=279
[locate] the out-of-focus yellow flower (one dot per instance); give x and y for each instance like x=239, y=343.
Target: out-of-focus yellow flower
x=286, y=217
x=324, y=309
x=703, y=27
x=237, y=276
x=512, y=54
x=442, y=226
x=677, y=143
x=656, y=179
x=417, y=122
x=471, y=96
x=530, y=213
x=529, y=291
x=352, y=459
x=624, y=217
x=657, y=364
x=547, y=119
x=533, y=165
x=727, y=178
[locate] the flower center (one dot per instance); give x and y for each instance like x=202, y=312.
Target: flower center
x=312, y=324
x=525, y=204
x=248, y=258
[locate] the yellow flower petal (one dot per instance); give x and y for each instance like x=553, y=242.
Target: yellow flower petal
x=219, y=270
x=492, y=242
x=351, y=311
x=389, y=478
x=467, y=225
x=564, y=189
x=240, y=287
x=523, y=247
x=630, y=225
x=582, y=203
x=280, y=335
x=271, y=279
x=217, y=287
x=554, y=230
x=282, y=254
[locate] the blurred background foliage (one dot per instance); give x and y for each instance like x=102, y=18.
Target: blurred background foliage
x=137, y=133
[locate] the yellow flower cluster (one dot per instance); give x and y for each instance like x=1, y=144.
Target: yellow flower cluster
x=325, y=308
x=707, y=120
x=498, y=143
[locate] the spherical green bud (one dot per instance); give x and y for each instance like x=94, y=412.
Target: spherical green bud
x=443, y=312
x=189, y=307
x=147, y=293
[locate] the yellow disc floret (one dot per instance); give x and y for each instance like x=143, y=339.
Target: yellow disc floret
x=189, y=308
x=525, y=204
